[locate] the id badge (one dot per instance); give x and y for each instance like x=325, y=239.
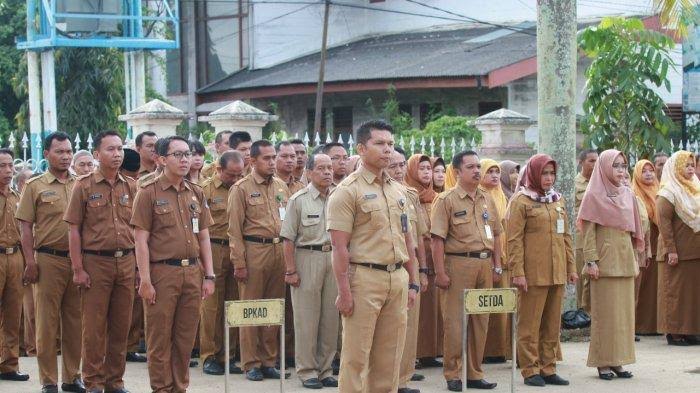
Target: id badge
x=489, y=234
x=195, y=225
x=283, y=212
x=404, y=223
x=560, y=225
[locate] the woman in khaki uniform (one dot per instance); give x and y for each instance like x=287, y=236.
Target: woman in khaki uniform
x=678, y=215
x=441, y=180
x=419, y=175
x=610, y=222
x=542, y=260
x=498, y=336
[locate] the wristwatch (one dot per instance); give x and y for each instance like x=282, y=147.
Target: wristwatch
x=211, y=278
x=423, y=270
x=415, y=287
x=498, y=270
x=591, y=263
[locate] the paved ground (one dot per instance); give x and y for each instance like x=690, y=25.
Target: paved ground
x=659, y=368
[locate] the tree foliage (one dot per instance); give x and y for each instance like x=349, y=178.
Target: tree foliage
x=12, y=23
x=621, y=109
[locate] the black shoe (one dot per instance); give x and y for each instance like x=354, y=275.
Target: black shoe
x=233, y=369
x=408, y=390
x=430, y=362
x=77, y=386
x=135, y=357
x=254, y=374
x=454, y=385
x=607, y=376
x=692, y=340
x=480, y=384
x=620, y=373
x=49, y=389
x=312, y=383
x=637, y=339
x=329, y=382
x=534, y=380
x=194, y=363
x=272, y=373
x=494, y=360
x=681, y=342
x=14, y=376
x=554, y=379
x=213, y=367
x=417, y=377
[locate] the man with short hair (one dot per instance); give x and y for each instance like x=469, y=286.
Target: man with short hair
x=102, y=253
x=229, y=170
x=373, y=257
x=56, y=298
x=300, y=151
x=242, y=142
x=339, y=156
x=221, y=140
x=465, y=227
x=146, y=147
x=256, y=208
x=660, y=159
x=11, y=265
x=171, y=222
x=310, y=274
x=284, y=166
x=586, y=161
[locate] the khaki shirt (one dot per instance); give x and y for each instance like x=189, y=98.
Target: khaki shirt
x=168, y=215
x=370, y=209
x=612, y=248
x=535, y=249
x=459, y=219
x=675, y=235
x=9, y=227
x=419, y=225
x=147, y=177
x=209, y=170
x=293, y=185
x=143, y=171
x=102, y=211
x=305, y=223
x=42, y=203
x=580, y=184
x=216, y=193
x=254, y=205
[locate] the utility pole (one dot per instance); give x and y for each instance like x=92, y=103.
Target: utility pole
x=318, y=108
x=556, y=93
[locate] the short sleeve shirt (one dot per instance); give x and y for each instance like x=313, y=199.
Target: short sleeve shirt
x=9, y=228
x=305, y=223
x=216, y=193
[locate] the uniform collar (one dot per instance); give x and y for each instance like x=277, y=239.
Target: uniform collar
x=100, y=177
x=143, y=169
x=165, y=183
x=259, y=179
x=463, y=193
x=580, y=179
x=216, y=180
x=50, y=178
x=313, y=191
x=371, y=177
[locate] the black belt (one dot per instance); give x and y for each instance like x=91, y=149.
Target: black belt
x=58, y=253
x=178, y=262
x=320, y=247
x=474, y=254
x=10, y=250
x=221, y=242
x=274, y=240
x=110, y=253
x=387, y=268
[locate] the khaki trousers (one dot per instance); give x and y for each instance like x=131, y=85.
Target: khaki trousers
x=211, y=324
x=11, y=267
x=106, y=309
x=57, y=301
x=29, y=319
x=583, y=286
x=315, y=315
x=137, y=322
x=464, y=273
x=259, y=344
x=408, y=358
x=498, y=337
x=374, y=335
x=171, y=325
x=538, y=329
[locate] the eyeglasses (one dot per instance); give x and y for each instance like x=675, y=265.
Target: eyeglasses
x=180, y=154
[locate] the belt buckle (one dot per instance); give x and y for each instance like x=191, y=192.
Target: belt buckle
x=483, y=255
x=185, y=262
x=119, y=254
x=391, y=268
x=9, y=250
x=326, y=247
x=275, y=240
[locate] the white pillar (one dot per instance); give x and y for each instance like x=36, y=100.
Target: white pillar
x=34, y=89
x=48, y=89
x=139, y=71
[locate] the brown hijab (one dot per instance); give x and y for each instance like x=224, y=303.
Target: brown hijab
x=506, y=184
x=436, y=161
x=610, y=204
x=426, y=194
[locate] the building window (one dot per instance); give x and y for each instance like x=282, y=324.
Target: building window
x=342, y=122
x=222, y=36
x=176, y=59
x=489, y=106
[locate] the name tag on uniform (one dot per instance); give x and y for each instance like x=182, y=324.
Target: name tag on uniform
x=489, y=234
x=217, y=200
x=92, y=197
x=313, y=216
x=195, y=225
x=161, y=202
x=460, y=214
x=124, y=199
x=283, y=212
x=255, y=195
x=370, y=196
x=48, y=193
x=560, y=225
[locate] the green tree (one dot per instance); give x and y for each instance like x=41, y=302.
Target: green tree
x=621, y=110
x=461, y=129
x=12, y=23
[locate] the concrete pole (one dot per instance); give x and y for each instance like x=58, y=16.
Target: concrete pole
x=189, y=32
x=556, y=94
x=318, y=107
x=48, y=89
x=139, y=89
x=34, y=87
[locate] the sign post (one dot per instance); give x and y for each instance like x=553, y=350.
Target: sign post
x=489, y=301
x=246, y=313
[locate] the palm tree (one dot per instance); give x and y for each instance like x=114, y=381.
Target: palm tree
x=676, y=14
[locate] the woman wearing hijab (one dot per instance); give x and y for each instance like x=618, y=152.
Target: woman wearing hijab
x=450, y=177
x=439, y=184
x=542, y=261
x=678, y=215
x=498, y=336
x=610, y=224
x=509, y=177
x=645, y=186
x=419, y=175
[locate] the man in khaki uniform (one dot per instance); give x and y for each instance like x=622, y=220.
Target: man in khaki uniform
x=309, y=271
x=171, y=219
x=146, y=147
x=11, y=291
x=339, y=156
x=373, y=264
x=256, y=208
x=300, y=151
x=465, y=226
x=586, y=160
x=57, y=299
x=102, y=252
x=220, y=146
x=241, y=142
x=229, y=170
